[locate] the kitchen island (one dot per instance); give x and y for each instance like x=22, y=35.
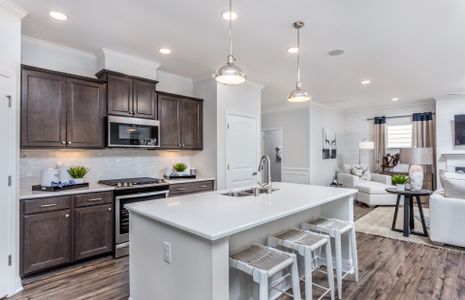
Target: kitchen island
x=180, y=246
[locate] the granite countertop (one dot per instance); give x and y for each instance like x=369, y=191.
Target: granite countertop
x=94, y=187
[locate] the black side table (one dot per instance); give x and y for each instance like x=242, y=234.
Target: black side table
x=409, y=222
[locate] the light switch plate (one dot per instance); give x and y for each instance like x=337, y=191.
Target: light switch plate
x=167, y=252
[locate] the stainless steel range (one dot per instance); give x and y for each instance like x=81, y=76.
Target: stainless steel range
x=130, y=190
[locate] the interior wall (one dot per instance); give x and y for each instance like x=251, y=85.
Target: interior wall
x=357, y=128
x=296, y=141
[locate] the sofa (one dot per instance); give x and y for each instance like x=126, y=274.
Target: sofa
x=371, y=192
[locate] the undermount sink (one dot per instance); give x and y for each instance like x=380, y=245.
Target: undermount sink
x=245, y=193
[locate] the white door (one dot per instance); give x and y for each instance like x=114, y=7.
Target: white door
x=242, y=146
x=6, y=165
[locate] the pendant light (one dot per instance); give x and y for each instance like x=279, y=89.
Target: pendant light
x=230, y=73
x=298, y=94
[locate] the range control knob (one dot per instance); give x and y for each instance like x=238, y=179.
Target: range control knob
x=125, y=184
x=119, y=184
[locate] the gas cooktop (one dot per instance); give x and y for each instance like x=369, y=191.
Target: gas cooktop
x=129, y=182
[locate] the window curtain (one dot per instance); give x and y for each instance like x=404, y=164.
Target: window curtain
x=379, y=139
x=423, y=135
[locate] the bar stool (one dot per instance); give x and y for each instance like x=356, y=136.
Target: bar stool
x=262, y=263
x=305, y=243
x=335, y=229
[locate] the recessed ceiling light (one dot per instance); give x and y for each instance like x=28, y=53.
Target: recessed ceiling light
x=58, y=15
x=336, y=52
x=226, y=15
x=164, y=50
x=365, y=82
x=292, y=50
x=395, y=99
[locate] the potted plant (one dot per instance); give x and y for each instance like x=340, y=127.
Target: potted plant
x=179, y=168
x=400, y=181
x=78, y=173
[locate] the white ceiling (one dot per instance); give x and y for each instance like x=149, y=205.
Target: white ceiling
x=414, y=49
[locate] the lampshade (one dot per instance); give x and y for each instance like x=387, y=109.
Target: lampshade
x=299, y=95
x=230, y=73
x=366, y=145
x=416, y=156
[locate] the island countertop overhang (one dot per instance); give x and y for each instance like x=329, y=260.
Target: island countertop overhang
x=213, y=216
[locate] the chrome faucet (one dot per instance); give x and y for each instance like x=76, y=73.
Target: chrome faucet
x=267, y=186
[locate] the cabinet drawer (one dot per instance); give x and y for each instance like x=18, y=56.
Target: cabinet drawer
x=93, y=199
x=191, y=187
x=46, y=204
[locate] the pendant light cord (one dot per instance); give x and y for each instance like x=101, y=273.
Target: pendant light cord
x=230, y=29
x=298, y=56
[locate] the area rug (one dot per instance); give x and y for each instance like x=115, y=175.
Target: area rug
x=378, y=222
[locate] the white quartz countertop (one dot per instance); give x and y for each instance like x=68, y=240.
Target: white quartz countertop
x=28, y=193
x=214, y=216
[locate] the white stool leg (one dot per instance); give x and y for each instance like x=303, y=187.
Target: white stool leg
x=295, y=279
x=329, y=265
x=308, y=257
x=354, y=252
x=338, y=264
x=263, y=284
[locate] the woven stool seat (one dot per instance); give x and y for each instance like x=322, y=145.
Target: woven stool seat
x=261, y=257
x=302, y=237
x=328, y=225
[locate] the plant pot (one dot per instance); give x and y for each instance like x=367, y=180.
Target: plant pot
x=78, y=180
x=400, y=187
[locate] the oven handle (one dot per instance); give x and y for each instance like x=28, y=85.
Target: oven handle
x=132, y=196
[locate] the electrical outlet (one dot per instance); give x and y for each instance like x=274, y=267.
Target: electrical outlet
x=167, y=252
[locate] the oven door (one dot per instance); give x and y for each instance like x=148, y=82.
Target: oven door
x=133, y=132
x=122, y=214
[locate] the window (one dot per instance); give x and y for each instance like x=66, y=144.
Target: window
x=399, y=136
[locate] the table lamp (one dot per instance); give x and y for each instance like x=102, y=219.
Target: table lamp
x=364, y=145
x=416, y=158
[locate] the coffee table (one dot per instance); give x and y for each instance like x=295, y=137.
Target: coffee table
x=409, y=222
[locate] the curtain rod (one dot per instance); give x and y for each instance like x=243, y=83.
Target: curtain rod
x=394, y=117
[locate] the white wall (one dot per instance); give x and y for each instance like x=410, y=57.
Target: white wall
x=296, y=141
x=10, y=59
x=322, y=170
x=172, y=83
x=448, y=155
x=357, y=128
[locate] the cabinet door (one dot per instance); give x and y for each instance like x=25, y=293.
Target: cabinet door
x=46, y=240
x=191, y=120
x=85, y=114
x=93, y=230
x=145, y=99
x=43, y=109
x=170, y=122
x=120, y=95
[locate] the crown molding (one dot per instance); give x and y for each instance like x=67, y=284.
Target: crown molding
x=105, y=51
x=61, y=48
x=13, y=8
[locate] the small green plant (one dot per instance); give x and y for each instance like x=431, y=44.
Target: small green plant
x=400, y=179
x=180, y=167
x=78, y=172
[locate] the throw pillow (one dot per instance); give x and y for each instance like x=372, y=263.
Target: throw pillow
x=454, y=185
x=361, y=171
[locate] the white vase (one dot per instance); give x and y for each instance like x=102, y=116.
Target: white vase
x=400, y=187
x=416, y=177
x=78, y=180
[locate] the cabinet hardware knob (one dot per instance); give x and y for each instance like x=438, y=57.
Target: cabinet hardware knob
x=203, y=186
x=180, y=145
x=109, y=209
x=94, y=199
x=67, y=216
x=183, y=145
x=180, y=189
x=48, y=205
x=69, y=142
x=63, y=142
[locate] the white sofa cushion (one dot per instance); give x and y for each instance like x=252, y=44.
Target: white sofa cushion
x=361, y=171
x=372, y=187
x=454, y=185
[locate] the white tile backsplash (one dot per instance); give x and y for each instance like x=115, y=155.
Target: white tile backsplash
x=103, y=164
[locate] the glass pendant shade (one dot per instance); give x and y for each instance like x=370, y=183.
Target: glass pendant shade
x=230, y=73
x=299, y=95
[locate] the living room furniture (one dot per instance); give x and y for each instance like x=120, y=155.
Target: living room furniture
x=416, y=157
x=409, y=219
x=447, y=219
x=364, y=145
x=371, y=192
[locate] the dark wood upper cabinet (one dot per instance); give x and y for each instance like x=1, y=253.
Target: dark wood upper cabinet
x=85, y=116
x=181, y=122
x=43, y=109
x=130, y=95
x=61, y=110
x=93, y=232
x=46, y=240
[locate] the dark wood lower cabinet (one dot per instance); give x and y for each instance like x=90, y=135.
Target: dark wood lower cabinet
x=56, y=231
x=93, y=232
x=46, y=240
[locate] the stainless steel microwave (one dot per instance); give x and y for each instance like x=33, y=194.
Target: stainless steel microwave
x=126, y=132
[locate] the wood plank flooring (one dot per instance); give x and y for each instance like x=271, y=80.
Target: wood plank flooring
x=389, y=269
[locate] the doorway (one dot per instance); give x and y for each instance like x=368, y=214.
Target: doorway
x=272, y=145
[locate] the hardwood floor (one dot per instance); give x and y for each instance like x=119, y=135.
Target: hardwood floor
x=389, y=269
